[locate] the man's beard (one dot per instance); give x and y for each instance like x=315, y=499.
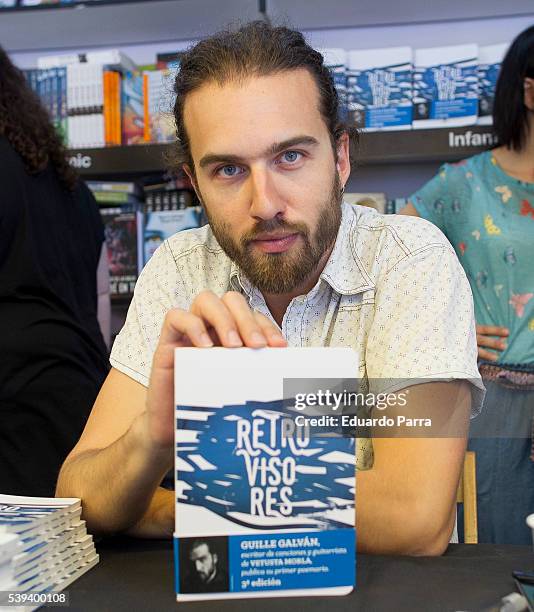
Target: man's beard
x=283, y=272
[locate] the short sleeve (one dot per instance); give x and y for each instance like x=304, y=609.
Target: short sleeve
x=424, y=325
x=433, y=199
x=158, y=289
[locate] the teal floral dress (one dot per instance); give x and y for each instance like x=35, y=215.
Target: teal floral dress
x=488, y=216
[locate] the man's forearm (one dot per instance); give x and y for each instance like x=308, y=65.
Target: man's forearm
x=406, y=503
x=117, y=485
x=391, y=520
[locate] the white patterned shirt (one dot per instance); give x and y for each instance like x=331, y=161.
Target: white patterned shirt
x=392, y=289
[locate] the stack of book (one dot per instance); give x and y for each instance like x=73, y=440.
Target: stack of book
x=44, y=544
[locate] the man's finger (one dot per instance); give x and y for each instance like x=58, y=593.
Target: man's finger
x=270, y=330
x=212, y=310
x=251, y=333
x=178, y=324
x=492, y=330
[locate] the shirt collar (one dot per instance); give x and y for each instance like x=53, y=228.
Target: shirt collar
x=343, y=271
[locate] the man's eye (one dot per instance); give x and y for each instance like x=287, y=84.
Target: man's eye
x=229, y=171
x=291, y=157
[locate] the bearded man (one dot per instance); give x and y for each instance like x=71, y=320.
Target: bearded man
x=283, y=262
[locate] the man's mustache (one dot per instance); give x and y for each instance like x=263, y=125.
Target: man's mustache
x=273, y=225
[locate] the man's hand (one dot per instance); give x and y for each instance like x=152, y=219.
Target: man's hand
x=211, y=321
x=486, y=339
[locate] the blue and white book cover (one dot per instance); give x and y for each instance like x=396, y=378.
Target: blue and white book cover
x=158, y=225
x=336, y=61
x=489, y=65
x=262, y=508
x=379, y=88
x=445, y=86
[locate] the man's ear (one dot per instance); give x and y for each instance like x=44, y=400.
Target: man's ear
x=215, y=558
x=528, y=99
x=343, y=158
x=189, y=171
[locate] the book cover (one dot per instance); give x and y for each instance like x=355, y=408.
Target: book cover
x=445, y=86
x=132, y=109
x=120, y=230
x=160, y=224
x=379, y=88
x=262, y=508
x=336, y=61
x=489, y=65
x=158, y=106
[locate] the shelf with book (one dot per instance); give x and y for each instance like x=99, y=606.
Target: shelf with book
x=376, y=148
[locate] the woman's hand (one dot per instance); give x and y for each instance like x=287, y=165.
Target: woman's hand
x=486, y=338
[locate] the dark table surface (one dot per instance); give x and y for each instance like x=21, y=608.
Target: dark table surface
x=138, y=575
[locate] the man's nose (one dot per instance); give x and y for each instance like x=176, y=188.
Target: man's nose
x=265, y=200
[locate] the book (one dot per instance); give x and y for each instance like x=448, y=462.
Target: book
x=85, y=105
x=120, y=230
x=61, y=93
x=445, y=86
x=489, y=65
x=262, y=508
x=132, y=109
x=44, y=545
x=164, y=214
x=170, y=59
x=158, y=106
x=129, y=187
x=379, y=88
x=373, y=200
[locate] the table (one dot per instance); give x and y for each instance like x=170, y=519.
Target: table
x=137, y=575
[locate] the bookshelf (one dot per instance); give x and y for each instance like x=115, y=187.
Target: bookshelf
x=376, y=148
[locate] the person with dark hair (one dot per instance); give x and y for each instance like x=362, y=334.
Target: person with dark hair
x=54, y=359
x=284, y=261
x=485, y=207
x=207, y=574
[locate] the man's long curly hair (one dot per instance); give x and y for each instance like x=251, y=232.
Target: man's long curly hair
x=25, y=123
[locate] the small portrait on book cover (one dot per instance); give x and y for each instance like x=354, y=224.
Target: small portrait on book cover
x=204, y=565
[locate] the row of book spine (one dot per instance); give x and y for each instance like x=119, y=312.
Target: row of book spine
x=101, y=99
x=51, y=87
